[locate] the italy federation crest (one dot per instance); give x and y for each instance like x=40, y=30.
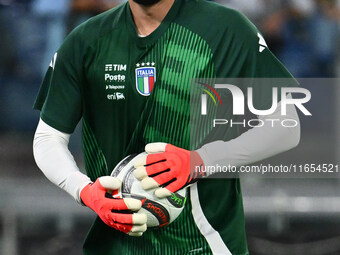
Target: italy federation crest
x=145, y=80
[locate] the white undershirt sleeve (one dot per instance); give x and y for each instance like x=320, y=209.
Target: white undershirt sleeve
x=256, y=144
x=51, y=153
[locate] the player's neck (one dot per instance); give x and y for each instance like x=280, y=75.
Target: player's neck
x=148, y=18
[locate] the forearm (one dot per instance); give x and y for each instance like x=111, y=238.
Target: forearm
x=255, y=144
x=51, y=153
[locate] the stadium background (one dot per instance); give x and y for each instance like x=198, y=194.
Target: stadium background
x=284, y=216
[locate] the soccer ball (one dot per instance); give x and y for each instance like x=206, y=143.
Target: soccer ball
x=159, y=211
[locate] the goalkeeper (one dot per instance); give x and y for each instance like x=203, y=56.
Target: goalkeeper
x=126, y=75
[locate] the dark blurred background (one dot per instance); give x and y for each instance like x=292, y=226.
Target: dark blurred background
x=284, y=216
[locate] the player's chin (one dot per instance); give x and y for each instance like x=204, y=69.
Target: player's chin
x=146, y=2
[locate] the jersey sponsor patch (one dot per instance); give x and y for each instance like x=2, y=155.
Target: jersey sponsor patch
x=145, y=80
x=116, y=96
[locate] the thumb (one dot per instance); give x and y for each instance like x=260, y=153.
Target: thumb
x=155, y=147
x=110, y=183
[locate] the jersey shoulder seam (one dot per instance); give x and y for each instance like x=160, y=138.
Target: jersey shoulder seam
x=96, y=21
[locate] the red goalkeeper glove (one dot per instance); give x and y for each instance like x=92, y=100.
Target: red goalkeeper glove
x=114, y=212
x=168, y=166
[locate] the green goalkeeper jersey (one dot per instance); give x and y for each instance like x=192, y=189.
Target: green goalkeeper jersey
x=130, y=90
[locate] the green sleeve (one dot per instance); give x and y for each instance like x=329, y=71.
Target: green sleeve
x=245, y=55
x=59, y=97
